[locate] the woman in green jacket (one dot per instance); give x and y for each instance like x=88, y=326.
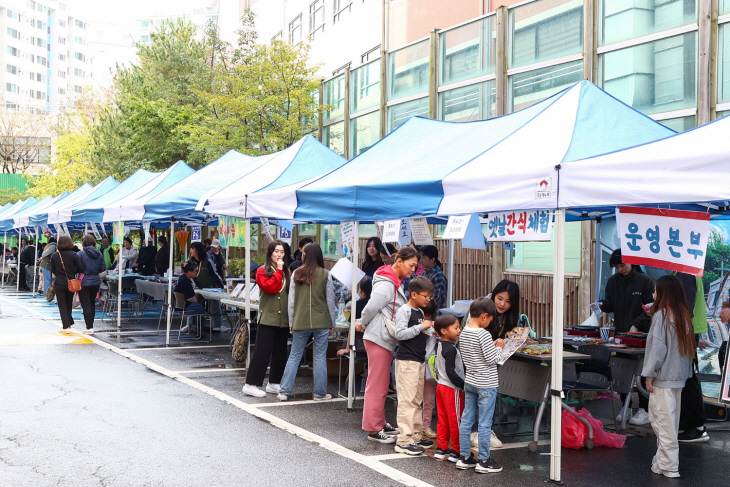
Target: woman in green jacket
x=311, y=313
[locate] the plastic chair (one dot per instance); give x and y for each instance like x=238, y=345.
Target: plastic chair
x=360, y=357
x=593, y=374
x=131, y=301
x=179, y=305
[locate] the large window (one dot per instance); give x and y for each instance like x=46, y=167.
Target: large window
x=364, y=132
x=331, y=234
x=621, y=20
x=680, y=124
x=530, y=87
x=409, y=69
x=723, y=64
x=334, y=95
x=659, y=76
x=341, y=6
x=544, y=30
x=397, y=114
x=538, y=256
x=468, y=51
x=473, y=102
x=333, y=136
x=365, y=86
x=295, y=30
x=316, y=17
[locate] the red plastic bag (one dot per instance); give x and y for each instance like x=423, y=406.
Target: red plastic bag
x=601, y=437
x=574, y=432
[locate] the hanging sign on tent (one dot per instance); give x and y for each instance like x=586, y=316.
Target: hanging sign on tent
x=65, y=229
x=266, y=226
x=348, y=232
x=520, y=226
x=420, y=232
x=283, y=234
x=147, y=235
x=47, y=232
x=95, y=231
x=675, y=240
x=397, y=231
x=196, y=234
x=231, y=231
x=468, y=229
x=118, y=229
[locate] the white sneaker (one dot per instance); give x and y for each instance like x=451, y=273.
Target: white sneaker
x=184, y=329
x=88, y=331
x=282, y=397
x=495, y=442
x=641, y=417
x=68, y=331
x=326, y=397
x=254, y=391
x=475, y=439
x=273, y=388
x=620, y=416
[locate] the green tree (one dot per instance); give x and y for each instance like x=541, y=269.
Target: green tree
x=718, y=253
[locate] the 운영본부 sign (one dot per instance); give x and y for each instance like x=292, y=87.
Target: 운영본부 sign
x=520, y=226
x=675, y=240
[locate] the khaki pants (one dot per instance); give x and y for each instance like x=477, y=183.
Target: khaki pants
x=664, y=408
x=409, y=377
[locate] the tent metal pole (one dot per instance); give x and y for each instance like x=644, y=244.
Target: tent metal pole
x=35, y=258
x=120, y=261
x=5, y=251
x=169, y=281
x=86, y=229
x=450, y=293
x=247, y=274
x=17, y=261
x=598, y=265
x=351, y=373
x=556, y=371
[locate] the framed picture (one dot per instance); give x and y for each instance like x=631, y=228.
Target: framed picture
x=725, y=388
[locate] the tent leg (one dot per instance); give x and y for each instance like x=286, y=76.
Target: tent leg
x=557, y=352
x=247, y=274
x=353, y=351
x=450, y=293
x=5, y=251
x=119, y=287
x=598, y=264
x=35, y=258
x=169, y=282
x=17, y=262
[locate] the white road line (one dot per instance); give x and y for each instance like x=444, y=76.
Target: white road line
x=296, y=403
x=180, y=347
x=208, y=370
x=395, y=456
x=253, y=410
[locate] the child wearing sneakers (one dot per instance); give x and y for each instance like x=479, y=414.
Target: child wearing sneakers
x=480, y=354
x=412, y=331
x=450, y=388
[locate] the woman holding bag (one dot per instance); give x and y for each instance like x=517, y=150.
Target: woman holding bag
x=377, y=317
x=93, y=265
x=65, y=265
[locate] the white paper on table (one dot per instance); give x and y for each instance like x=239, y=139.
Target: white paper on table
x=237, y=290
x=592, y=321
x=343, y=272
x=511, y=345
x=255, y=293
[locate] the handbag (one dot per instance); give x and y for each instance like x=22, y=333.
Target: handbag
x=74, y=285
x=390, y=322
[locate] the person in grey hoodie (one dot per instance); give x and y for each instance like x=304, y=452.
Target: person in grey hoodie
x=387, y=296
x=93, y=265
x=670, y=350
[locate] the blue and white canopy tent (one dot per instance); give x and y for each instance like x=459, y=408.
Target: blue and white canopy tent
x=54, y=214
x=6, y=218
x=40, y=215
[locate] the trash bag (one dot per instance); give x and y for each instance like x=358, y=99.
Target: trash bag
x=575, y=433
x=600, y=436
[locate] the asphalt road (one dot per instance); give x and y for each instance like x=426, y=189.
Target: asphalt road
x=78, y=412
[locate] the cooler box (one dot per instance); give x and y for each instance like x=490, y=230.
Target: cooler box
x=584, y=333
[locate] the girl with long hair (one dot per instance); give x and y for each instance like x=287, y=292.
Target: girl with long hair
x=312, y=312
x=273, y=323
x=506, y=297
x=670, y=351
x=373, y=261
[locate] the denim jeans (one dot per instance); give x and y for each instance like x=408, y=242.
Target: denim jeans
x=47, y=279
x=478, y=405
x=299, y=341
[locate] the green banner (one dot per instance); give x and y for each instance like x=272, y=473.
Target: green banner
x=231, y=231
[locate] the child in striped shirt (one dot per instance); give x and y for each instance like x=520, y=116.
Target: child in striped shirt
x=480, y=354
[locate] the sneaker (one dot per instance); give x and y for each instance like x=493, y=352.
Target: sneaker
x=389, y=430
x=184, y=329
x=619, y=417
x=694, y=435
x=465, y=463
x=641, y=417
x=411, y=449
x=488, y=466
x=251, y=390
x=671, y=475
x=381, y=437
x=454, y=457
x=68, y=331
x=474, y=439
x=88, y=331
x=282, y=397
x=425, y=444
x=440, y=454
x=429, y=433
x=326, y=397
x=495, y=442
x=273, y=388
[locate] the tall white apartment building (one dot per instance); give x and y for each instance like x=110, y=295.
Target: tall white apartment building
x=197, y=12
x=43, y=53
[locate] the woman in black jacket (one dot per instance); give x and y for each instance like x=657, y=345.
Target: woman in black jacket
x=65, y=265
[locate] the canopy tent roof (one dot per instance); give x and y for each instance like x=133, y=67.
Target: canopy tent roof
x=8, y=222
x=131, y=207
x=688, y=168
x=41, y=217
x=181, y=199
x=458, y=168
x=93, y=210
x=54, y=213
x=302, y=162
x=6, y=217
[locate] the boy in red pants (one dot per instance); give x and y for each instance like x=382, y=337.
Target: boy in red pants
x=450, y=388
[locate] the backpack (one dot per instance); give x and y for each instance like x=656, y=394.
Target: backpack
x=432, y=348
x=239, y=346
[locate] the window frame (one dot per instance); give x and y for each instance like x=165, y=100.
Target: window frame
x=296, y=24
x=338, y=9
x=316, y=8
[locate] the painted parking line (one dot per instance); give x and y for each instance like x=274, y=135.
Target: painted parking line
x=17, y=339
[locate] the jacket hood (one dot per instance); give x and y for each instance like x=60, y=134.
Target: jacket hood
x=93, y=252
x=386, y=272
